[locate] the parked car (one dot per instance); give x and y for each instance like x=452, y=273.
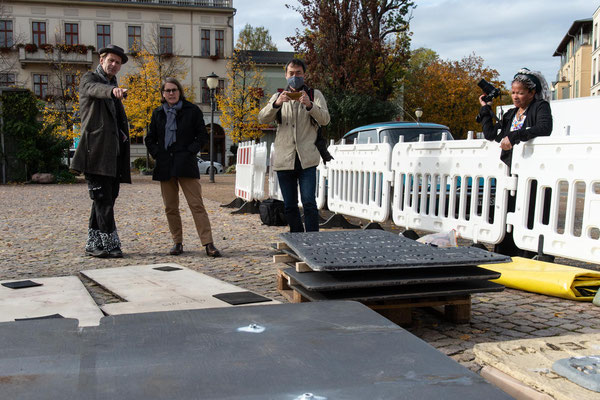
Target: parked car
x=204, y=166
x=393, y=130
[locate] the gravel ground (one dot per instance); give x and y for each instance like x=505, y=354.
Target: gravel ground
x=43, y=230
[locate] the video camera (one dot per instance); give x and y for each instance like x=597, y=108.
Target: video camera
x=490, y=91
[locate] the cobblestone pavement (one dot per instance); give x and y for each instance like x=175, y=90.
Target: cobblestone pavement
x=43, y=230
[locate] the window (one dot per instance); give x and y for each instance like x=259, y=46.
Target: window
x=134, y=37
x=38, y=33
x=220, y=43
x=205, y=43
x=206, y=90
x=71, y=83
x=71, y=34
x=103, y=39
x=166, y=40
x=6, y=33
x=40, y=85
x=7, y=79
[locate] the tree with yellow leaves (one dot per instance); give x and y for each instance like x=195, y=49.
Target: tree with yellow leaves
x=61, y=109
x=240, y=103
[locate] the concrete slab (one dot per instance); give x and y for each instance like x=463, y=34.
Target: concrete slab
x=60, y=295
x=333, y=350
x=160, y=287
x=530, y=362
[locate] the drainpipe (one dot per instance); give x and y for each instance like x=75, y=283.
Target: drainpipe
x=192, y=51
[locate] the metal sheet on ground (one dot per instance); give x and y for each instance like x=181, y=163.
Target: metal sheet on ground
x=376, y=249
x=359, y=279
x=148, y=288
x=59, y=295
x=334, y=350
x=530, y=361
x=402, y=292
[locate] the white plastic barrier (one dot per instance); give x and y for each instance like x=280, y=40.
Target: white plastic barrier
x=451, y=184
x=321, y=194
x=359, y=180
x=274, y=191
x=244, y=171
x=259, y=171
x=568, y=167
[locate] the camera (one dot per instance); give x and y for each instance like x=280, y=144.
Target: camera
x=490, y=91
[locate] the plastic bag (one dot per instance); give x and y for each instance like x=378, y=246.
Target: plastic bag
x=440, y=239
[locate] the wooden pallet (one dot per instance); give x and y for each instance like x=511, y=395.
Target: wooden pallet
x=300, y=265
x=456, y=309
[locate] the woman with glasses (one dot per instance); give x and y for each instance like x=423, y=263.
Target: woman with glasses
x=175, y=135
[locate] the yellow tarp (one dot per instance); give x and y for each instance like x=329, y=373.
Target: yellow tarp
x=548, y=278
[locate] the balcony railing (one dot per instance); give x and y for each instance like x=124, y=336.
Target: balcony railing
x=182, y=3
x=42, y=57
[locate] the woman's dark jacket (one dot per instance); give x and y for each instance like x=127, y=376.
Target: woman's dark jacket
x=179, y=160
x=538, y=122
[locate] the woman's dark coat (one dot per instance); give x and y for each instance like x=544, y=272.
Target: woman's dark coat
x=538, y=122
x=179, y=160
x=104, y=145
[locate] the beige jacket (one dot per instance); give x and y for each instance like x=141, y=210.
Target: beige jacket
x=296, y=133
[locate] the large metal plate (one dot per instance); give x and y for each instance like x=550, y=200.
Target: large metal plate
x=376, y=249
x=334, y=350
x=361, y=279
x=402, y=292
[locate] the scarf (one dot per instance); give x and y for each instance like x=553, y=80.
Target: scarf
x=100, y=71
x=171, y=125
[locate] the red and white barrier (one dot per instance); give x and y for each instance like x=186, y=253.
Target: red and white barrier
x=244, y=171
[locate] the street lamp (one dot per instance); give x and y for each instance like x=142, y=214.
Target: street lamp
x=212, y=81
x=419, y=114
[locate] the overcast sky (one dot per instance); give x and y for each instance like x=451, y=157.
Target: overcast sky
x=508, y=34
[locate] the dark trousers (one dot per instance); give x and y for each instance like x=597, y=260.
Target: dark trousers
x=104, y=191
x=288, y=183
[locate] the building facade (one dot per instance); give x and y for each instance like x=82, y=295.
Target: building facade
x=575, y=73
x=595, y=84
x=38, y=35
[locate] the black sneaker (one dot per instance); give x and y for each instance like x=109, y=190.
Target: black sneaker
x=115, y=253
x=96, y=252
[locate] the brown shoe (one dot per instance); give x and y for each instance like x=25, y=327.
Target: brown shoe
x=176, y=250
x=212, y=251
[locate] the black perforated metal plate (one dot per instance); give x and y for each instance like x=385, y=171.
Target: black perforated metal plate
x=406, y=276
x=375, y=249
x=334, y=350
x=402, y=292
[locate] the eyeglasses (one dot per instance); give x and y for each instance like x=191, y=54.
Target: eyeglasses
x=170, y=90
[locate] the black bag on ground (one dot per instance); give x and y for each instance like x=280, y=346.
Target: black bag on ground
x=272, y=212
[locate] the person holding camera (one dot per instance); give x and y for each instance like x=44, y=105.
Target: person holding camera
x=175, y=135
x=103, y=151
x=300, y=111
x=531, y=117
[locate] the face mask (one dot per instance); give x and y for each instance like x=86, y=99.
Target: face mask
x=296, y=82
